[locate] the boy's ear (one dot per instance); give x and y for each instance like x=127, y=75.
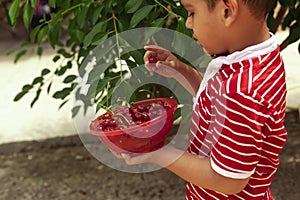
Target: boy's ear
x=230, y=11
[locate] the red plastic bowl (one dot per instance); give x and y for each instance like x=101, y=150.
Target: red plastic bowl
x=146, y=137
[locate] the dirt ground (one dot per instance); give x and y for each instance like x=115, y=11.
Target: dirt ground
x=62, y=169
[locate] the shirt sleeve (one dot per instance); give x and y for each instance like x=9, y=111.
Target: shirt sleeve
x=238, y=120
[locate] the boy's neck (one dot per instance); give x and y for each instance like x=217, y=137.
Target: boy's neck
x=248, y=38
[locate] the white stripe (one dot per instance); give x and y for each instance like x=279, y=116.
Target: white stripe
x=250, y=76
x=234, y=141
x=267, y=79
x=195, y=192
x=241, y=114
x=232, y=159
x=254, y=195
x=236, y=123
x=238, y=197
x=271, y=87
x=223, y=72
x=269, y=152
x=240, y=175
x=266, y=67
x=276, y=93
x=268, y=166
x=262, y=178
x=265, y=58
x=282, y=96
x=238, y=133
x=213, y=88
x=228, y=83
x=203, y=190
x=236, y=151
x=239, y=77
x=246, y=107
x=258, y=186
x=259, y=59
x=200, y=141
x=275, y=129
x=273, y=145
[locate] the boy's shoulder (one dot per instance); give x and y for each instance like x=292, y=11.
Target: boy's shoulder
x=261, y=78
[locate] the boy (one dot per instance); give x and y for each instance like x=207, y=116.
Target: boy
x=237, y=129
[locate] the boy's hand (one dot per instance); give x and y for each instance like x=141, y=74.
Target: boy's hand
x=166, y=61
x=133, y=158
x=163, y=156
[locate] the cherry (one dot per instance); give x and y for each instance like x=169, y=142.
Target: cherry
x=146, y=117
x=124, y=117
x=112, y=123
x=137, y=116
x=141, y=108
x=152, y=59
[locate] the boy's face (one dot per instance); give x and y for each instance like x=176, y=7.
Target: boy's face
x=206, y=25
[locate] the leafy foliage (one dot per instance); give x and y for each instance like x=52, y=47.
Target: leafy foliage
x=88, y=23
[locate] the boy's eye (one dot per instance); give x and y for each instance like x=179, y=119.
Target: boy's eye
x=190, y=14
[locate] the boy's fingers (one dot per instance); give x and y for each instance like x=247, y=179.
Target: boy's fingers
x=153, y=47
x=156, y=49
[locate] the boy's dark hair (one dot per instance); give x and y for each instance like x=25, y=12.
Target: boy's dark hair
x=259, y=8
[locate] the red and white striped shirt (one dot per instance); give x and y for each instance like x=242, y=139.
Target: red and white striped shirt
x=238, y=120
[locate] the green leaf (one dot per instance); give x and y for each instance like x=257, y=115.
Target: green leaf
x=27, y=87
x=34, y=3
x=132, y=5
x=13, y=12
x=37, y=80
x=56, y=58
x=19, y=55
x=45, y=72
x=96, y=13
x=52, y=3
x=49, y=87
x=20, y=95
x=81, y=17
x=99, y=41
x=62, y=104
x=100, y=87
x=34, y=33
x=79, y=35
x=42, y=33
x=27, y=14
x=158, y=22
x=54, y=34
x=140, y=15
x=64, y=53
x=98, y=28
x=75, y=111
x=62, y=94
x=38, y=92
x=10, y=52
x=40, y=51
x=70, y=78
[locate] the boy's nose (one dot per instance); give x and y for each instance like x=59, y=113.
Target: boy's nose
x=188, y=24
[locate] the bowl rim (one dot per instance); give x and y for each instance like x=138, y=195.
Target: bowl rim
x=153, y=121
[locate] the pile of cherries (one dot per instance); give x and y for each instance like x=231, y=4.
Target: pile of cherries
x=125, y=117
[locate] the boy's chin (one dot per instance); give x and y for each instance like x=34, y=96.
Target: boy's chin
x=206, y=52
